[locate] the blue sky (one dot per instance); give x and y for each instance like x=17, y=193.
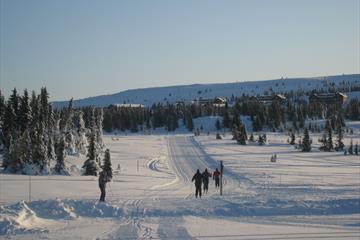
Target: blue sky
x=85, y=48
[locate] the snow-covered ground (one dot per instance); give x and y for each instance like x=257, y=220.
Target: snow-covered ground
x=312, y=195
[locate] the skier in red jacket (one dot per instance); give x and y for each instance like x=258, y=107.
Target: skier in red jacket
x=216, y=177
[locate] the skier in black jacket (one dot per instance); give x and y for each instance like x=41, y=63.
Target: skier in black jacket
x=206, y=176
x=198, y=180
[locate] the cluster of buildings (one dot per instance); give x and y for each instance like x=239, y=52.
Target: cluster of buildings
x=323, y=98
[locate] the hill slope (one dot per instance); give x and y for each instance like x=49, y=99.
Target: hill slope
x=171, y=94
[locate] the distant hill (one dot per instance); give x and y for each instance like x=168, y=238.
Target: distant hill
x=187, y=93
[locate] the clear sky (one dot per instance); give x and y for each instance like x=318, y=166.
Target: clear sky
x=81, y=48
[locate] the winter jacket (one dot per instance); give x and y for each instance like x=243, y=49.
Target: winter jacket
x=206, y=176
x=198, y=178
x=216, y=174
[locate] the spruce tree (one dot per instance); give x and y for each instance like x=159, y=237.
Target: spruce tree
x=261, y=140
x=235, y=119
x=7, y=154
x=24, y=145
x=25, y=112
x=12, y=157
x=251, y=139
x=323, y=141
x=340, y=135
x=189, y=122
x=99, y=117
x=226, y=117
x=91, y=153
x=50, y=134
x=15, y=102
x=306, y=143
x=91, y=164
x=80, y=140
x=44, y=107
x=107, y=164
x=39, y=150
x=2, y=107
x=241, y=135
x=60, y=167
x=9, y=124
x=329, y=142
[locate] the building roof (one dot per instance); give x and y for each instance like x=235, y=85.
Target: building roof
x=128, y=105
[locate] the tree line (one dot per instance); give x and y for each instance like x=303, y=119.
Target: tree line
x=35, y=138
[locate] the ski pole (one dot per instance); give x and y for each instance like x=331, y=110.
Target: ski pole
x=110, y=190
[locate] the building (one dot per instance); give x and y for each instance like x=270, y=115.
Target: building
x=215, y=102
x=328, y=98
x=267, y=99
x=127, y=105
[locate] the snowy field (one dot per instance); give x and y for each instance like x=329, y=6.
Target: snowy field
x=312, y=195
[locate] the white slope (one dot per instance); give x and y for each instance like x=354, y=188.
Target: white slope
x=187, y=93
x=302, y=196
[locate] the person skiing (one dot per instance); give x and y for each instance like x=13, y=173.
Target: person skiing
x=102, y=185
x=206, y=176
x=216, y=177
x=198, y=180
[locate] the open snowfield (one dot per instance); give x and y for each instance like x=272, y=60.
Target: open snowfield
x=312, y=195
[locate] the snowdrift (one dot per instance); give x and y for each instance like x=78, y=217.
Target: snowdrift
x=29, y=217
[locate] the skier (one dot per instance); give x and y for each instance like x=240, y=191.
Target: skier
x=103, y=179
x=216, y=177
x=198, y=180
x=206, y=176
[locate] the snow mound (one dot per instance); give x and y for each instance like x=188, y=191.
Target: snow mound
x=25, y=217
x=18, y=219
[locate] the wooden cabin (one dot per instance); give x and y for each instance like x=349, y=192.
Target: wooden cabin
x=269, y=98
x=127, y=105
x=216, y=101
x=328, y=98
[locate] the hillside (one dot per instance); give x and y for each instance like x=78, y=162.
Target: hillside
x=171, y=94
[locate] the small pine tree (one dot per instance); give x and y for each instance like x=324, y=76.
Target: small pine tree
x=226, y=117
x=261, y=140
x=90, y=165
x=241, y=135
x=39, y=150
x=329, y=142
x=107, y=165
x=91, y=153
x=306, y=143
x=339, y=141
x=25, y=112
x=323, y=146
x=251, y=139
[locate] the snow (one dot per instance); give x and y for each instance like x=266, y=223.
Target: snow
x=188, y=93
x=312, y=195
